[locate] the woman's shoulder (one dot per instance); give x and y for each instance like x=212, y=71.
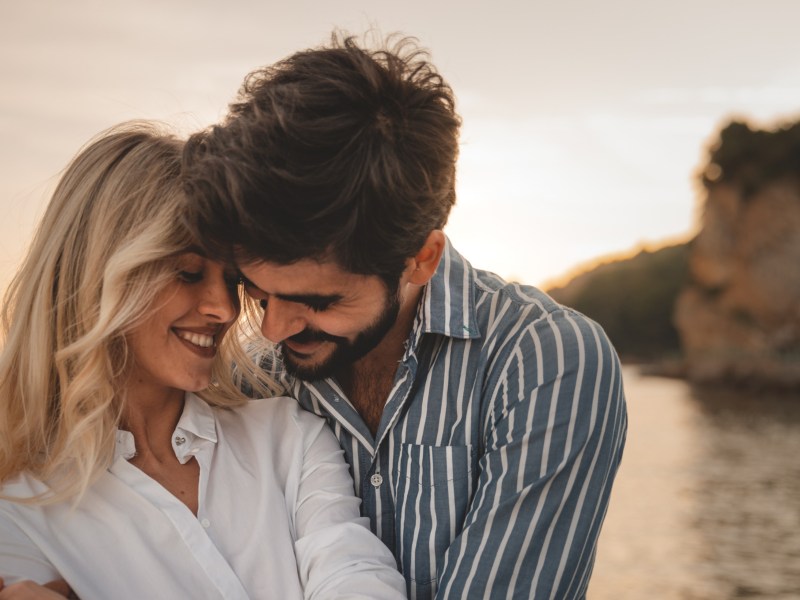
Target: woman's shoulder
x=280, y=413
x=282, y=407
x=23, y=486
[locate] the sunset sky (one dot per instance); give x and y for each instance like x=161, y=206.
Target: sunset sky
x=584, y=122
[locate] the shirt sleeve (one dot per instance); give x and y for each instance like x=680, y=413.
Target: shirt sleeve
x=553, y=436
x=20, y=558
x=337, y=555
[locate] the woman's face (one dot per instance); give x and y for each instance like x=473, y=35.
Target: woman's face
x=174, y=349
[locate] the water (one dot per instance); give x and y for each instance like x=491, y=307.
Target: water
x=707, y=502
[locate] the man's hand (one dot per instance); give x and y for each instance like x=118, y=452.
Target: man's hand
x=28, y=590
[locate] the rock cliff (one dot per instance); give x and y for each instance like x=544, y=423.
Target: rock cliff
x=633, y=299
x=739, y=315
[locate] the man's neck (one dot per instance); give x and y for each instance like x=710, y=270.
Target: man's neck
x=368, y=381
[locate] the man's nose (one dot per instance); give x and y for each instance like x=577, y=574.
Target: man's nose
x=282, y=320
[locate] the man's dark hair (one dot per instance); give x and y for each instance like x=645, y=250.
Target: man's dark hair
x=335, y=153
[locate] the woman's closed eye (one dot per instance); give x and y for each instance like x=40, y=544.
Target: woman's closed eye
x=190, y=276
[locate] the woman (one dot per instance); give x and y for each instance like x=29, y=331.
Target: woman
x=130, y=464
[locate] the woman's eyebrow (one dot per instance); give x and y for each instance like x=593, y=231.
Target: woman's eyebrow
x=191, y=250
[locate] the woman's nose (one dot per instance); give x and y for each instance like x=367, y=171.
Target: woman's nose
x=219, y=301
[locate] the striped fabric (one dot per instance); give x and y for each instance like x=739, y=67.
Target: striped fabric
x=492, y=467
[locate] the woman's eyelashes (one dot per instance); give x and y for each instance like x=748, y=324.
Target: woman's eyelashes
x=232, y=279
x=190, y=276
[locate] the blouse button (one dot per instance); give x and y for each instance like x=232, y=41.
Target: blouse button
x=205, y=523
x=179, y=441
x=376, y=480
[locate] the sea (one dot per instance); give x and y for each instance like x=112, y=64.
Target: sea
x=706, y=504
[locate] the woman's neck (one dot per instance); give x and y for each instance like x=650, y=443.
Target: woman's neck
x=151, y=415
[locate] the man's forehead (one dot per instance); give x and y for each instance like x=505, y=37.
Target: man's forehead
x=302, y=269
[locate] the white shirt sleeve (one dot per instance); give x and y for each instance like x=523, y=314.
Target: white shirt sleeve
x=337, y=555
x=20, y=558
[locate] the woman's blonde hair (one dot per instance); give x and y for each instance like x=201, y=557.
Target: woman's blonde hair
x=104, y=249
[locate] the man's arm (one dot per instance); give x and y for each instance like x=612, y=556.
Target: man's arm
x=554, y=430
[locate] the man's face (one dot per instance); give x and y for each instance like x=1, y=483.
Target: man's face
x=323, y=317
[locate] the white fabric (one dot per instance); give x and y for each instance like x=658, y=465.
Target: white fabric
x=277, y=518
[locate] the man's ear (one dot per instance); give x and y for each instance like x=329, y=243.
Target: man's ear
x=424, y=263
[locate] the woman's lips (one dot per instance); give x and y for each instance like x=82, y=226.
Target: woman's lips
x=198, y=339
x=201, y=344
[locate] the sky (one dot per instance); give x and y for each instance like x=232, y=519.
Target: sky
x=584, y=122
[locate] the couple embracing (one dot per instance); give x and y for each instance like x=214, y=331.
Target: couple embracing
x=396, y=422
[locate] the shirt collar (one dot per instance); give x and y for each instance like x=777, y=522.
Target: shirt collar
x=196, y=426
x=125, y=446
x=197, y=419
x=448, y=302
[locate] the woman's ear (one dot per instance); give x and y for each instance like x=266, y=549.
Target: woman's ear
x=423, y=265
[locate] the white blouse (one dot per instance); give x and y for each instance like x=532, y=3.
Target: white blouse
x=277, y=518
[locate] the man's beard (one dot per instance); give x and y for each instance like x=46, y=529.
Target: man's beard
x=345, y=352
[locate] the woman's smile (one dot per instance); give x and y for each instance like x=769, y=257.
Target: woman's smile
x=174, y=347
x=201, y=341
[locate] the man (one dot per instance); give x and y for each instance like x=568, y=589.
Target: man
x=483, y=422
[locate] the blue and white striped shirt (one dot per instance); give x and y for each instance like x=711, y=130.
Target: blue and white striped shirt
x=493, y=462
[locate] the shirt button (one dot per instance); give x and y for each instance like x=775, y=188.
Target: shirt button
x=376, y=480
x=179, y=441
x=205, y=523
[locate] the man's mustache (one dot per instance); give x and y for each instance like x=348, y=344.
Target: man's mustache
x=315, y=335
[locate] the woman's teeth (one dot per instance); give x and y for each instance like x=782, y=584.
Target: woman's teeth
x=198, y=339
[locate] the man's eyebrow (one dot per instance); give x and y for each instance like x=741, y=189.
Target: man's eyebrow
x=310, y=299
x=299, y=298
